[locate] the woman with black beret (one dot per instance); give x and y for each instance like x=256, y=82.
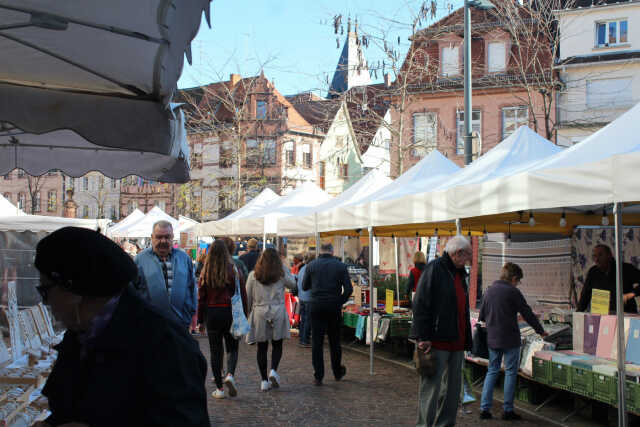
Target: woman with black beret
x=121, y=362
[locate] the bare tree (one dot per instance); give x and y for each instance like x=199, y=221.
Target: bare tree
x=34, y=186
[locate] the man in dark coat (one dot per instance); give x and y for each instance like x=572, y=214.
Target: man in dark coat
x=251, y=257
x=121, y=362
x=441, y=326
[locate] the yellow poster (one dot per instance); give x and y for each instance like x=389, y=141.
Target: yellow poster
x=600, y=301
x=357, y=295
x=389, y=302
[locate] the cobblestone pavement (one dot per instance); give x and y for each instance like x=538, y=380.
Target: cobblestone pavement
x=388, y=398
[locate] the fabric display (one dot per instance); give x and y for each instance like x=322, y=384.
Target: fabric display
x=633, y=343
x=591, y=326
x=546, y=266
x=383, y=329
x=578, y=331
x=606, y=336
x=406, y=248
x=360, y=327
x=376, y=320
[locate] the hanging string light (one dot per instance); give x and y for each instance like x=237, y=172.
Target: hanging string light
x=532, y=220
x=563, y=220
x=509, y=236
x=485, y=235
x=605, y=218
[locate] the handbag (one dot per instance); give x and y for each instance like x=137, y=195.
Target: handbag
x=425, y=362
x=240, y=325
x=480, y=347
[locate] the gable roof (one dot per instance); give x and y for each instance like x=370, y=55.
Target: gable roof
x=319, y=113
x=367, y=107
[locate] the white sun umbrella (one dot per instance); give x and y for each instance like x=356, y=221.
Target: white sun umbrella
x=143, y=227
x=8, y=209
x=81, y=84
x=223, y=227
x=126, y=221
x=305, y=225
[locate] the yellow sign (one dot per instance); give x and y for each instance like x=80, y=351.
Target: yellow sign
x=389, y=302
x=600, y=301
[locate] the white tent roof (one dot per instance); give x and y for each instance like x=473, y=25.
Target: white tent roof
x=7, y=208
x=444, y=202
x=223, y=226
x=128, y=220
x=184, y=224
x=301, y=225
x=95, y=79
x=298, y=202
x=143, y=227
x=427, y=173
x=49, y=224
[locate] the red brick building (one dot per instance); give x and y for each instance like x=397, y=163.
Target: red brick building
x=34, y=195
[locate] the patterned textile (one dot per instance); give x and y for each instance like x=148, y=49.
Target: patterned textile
x=546, y=266
x=583, y=241
x=406, y=248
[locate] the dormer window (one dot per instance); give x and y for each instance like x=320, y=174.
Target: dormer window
x=497, y=57
x=611, y=33
x=450, y=61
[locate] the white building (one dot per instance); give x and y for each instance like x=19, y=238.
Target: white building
x=96, y=195
x=599, y=66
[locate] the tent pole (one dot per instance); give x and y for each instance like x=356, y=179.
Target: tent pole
x=395, y=244
x=344, y=240
x=622, y=413
x=372, y=303
x=264, y=240
x=317, y=234
x=458, y=226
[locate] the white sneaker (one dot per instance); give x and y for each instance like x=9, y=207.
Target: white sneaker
x=231, y=385
x=218, y=394
x=274, y=379
x=265, y=386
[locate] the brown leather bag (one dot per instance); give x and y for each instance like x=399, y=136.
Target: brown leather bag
x=425, y=362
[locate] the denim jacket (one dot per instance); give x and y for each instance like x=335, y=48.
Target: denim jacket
x=151, y=284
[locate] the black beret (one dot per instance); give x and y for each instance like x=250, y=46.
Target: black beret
x=88, y=263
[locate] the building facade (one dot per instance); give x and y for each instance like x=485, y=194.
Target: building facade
x=41, y=195
x=599, y=66
x=95, y=195
x=138, y=193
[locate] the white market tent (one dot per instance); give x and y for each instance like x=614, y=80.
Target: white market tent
x=143, y=227
x=8, y=209
x=185, y=224
x=125, y=222
x=87, y=87
x=427, y=173
x=224, y=226
x=47, y=224
x=305, y=225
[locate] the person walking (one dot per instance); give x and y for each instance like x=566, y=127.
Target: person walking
x=217, y=286
x=268, y=318
x=304, y=298
x=500, y=307
x=328, y=280
x=441, y=326
x=251, y=257
x=419, y=264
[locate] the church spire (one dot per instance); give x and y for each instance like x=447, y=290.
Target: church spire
x=352, y=69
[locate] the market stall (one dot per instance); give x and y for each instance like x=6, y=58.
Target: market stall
x=142, y=228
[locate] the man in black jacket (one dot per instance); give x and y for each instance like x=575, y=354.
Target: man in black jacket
x=441, y=326
x=330, y=286
x=500, y=307
x=251, y=257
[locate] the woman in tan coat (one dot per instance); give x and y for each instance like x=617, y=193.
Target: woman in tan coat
x=268, y=319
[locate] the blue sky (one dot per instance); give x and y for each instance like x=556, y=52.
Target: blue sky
x=293, y=40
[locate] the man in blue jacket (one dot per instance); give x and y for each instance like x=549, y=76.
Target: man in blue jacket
x=166, y=276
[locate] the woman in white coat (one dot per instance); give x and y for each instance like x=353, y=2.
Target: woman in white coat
x=268, y=318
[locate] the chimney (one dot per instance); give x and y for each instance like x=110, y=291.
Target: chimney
x=387, y=80
x=234, y=79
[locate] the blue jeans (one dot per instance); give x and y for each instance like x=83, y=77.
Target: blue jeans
x=511, y=364
x=305, y=323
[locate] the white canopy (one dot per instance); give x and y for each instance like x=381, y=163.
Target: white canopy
x=445, y=200
x=49, y=224
x=298, y=202
x=143, y=227
x=224, y=226
x=184, y=224
x=427, y=173
x=304, y=225
x=7, y=208
x=128, y=220
x=96, y=78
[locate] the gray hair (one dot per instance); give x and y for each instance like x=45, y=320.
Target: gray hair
x=457, y=243
x=162, y=224
x=326, y=248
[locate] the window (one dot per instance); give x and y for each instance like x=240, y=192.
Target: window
x=344, y=170
x=162, y=205
x=35, y=202
x=226, y=154
x=450, y=61
x=112, y=212
x=20, y=173
x=290, y=154
x=425, y=131
x=306, y=156
x=253, y=154
x=475, y=127
x=497, y=57
x=22, y=201
x=85, y=183
x=261, y=109
x=321, y=174
x=100, y=182
x=607, y=93
x=85, y=211
x=132, y=206
x=611, y=33
x=513, y=118
x=8, y=176
x=114, y=183
x=52, y=172
x=52, y=201
x=269, y=152
x=339, y=141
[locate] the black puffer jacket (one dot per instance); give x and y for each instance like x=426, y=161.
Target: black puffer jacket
x=435, y=314
x=328, y=280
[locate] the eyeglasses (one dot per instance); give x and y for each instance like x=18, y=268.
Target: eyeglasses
x=43, y=290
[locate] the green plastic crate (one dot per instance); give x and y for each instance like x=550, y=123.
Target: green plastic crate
x=528, y=391
x=582, y=381
x=633, y=396
x=561, y=376
x=350, y=319
x=542, y=370
x=605, y=388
